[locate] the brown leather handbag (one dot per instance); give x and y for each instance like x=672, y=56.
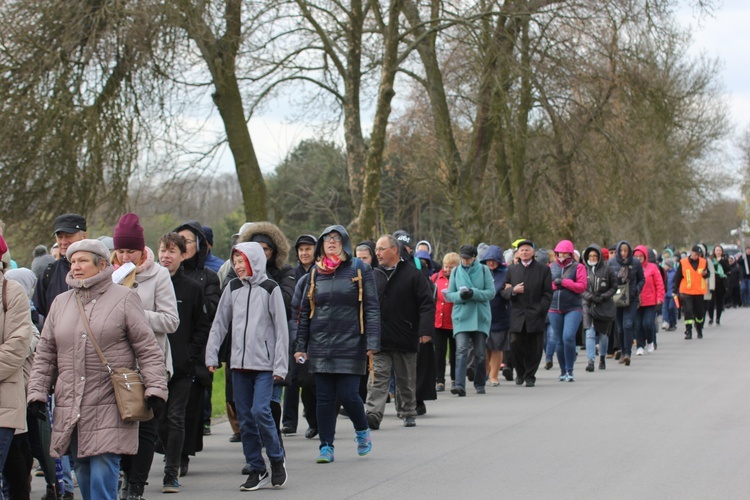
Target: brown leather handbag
x=130, y=391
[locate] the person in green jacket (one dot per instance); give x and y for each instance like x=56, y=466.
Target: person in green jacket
x=470, y=289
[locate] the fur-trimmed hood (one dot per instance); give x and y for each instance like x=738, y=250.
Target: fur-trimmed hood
x=271, y=230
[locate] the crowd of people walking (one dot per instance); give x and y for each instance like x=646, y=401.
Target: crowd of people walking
x=347, y=330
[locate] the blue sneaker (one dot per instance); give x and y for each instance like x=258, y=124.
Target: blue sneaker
x=563, y=377
x=364, y=443
x=326, y=454
x=571, y=378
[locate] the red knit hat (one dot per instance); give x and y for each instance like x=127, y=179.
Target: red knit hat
x=129, y=233
x=3, y=246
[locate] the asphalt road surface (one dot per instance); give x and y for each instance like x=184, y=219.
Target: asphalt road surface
x=673, y=425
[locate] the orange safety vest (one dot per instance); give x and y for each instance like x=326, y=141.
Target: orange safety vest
x=693, y=282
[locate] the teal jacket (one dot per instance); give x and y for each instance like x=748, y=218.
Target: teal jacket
x=472, y=315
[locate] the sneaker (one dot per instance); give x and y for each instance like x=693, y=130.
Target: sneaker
x=563, y=377
x=439, y=387
x=481, y=390
x=494, y=383
x=458, y=391
x=410, y=422
x=278, y=473
x=38, y=472
x=247, y=470
x=288, y=430
x=571, y=378
x=664, y=325
x=650, y=347
x=590, y=366
x=671, y=328
x=206, y=429
x=326, y=454
x=311, y=432
x=170, y=484
x=364, y=443
x=639, y=351
x=235, y=438
x=257, y=480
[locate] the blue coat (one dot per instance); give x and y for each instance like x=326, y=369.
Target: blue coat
x=473, y=314
x=499, y=307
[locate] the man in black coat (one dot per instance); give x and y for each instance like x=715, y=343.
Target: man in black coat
x=187, y=344
x=407, y=315
x=528, y=286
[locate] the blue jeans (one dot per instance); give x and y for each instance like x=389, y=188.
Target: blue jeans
x=345, y=387
x=97, y=475
x=550, y=345
x=591, y=338
x=626, y=317
x=669, y=311
x=252, y=397
x=745, y=291
x=565, y=325
x=6, y=436
x=645, y=326
x=463, y=341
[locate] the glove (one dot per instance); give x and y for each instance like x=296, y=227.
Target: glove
x=38, y=409
x=155, y=404
x=557, y=282
x=598, y=299
x=467, y=294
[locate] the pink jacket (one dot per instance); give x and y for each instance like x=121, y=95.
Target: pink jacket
x=653, y=291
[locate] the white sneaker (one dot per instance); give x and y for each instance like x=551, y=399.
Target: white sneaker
x=664, y=325
x=650, y=347
x=639, y=352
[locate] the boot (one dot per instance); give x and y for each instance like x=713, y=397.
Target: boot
x=135, y=491
x=590, y=366
x=699, y=330
x=602, y=363
x=688, y=333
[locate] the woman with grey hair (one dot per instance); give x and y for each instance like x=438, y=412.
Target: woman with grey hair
x=87, y=420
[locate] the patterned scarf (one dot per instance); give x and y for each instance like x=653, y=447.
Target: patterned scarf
x=328, y=265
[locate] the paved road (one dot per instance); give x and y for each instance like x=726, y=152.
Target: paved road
x=673, y=425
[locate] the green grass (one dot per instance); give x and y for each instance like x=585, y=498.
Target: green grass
x=218, y=401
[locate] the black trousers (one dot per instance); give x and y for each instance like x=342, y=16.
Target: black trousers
x=693, y=310
x=18, y=467
x=171, y=424
x=443, y=339
x=138, y=466
x=526, y=353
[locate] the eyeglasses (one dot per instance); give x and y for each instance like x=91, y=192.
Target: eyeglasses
x=332, y=237
x=189, y=241
x=381, y=249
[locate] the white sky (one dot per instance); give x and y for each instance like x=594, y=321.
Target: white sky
x=724, y=35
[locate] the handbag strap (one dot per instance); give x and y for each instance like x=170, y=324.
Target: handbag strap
x=91, y=334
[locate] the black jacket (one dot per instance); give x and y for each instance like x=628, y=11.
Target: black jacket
x=188, y=342
x=528, y=308
x=407, y=307
x=51, y=283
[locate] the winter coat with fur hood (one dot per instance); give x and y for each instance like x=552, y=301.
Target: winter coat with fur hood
x=84, y=397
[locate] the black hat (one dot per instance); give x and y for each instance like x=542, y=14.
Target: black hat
x=70, y=223
x=403, y=237
x=468, y=251
x=305, y=239
x=697, y=249
x=209, y=234
x=521, y=243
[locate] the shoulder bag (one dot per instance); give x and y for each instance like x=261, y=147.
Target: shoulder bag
x=130, y=392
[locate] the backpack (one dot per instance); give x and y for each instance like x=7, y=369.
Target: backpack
x=358, y=265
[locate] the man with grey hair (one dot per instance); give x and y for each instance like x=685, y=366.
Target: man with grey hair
x=407, y=314
x=41, y=259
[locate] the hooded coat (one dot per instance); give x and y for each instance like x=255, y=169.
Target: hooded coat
x=653, y=288
x=84, y=397
x=332, y=337
x=472, y=314
x=499, y=307
x=277, y=268
x=254, y=309
x=195, y=268
x=628, y=270
x=601, y=286
x=16, y=333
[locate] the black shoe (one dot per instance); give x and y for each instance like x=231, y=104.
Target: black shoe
x=184, y=466
x=626, y=360
x=257, y=480
x=373, y=422
x=206, y=429
x=602, y=363
x=311, y=432
x=342, y=412
x=529, y=383
x=246, y=470
x=710, y=322
x=421, y=409
x=508, y=374
x=548, y=365
x=235, y=438
x=688, y=335
x=470, y=374
x=278, y=474
x=286, y=430
x=700, y=334
x=519, y=381
x=458, y=391
x=410, y=422
x=618, y=354
x=135, y=491
x=590, y=366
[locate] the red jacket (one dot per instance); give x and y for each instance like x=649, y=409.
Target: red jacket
x=443, y=309
x=653, y=291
